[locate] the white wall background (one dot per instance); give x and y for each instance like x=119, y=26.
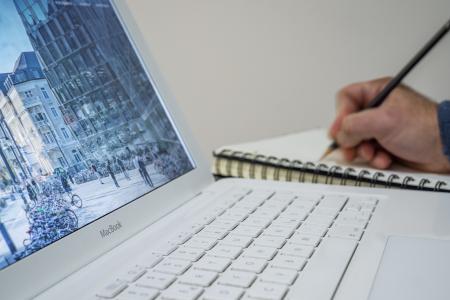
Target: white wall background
x=248, y=69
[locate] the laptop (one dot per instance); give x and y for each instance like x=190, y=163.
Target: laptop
x=105, y=194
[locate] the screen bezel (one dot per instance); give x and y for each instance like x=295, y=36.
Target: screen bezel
x=37, y=272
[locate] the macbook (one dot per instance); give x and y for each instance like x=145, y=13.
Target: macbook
x=104, y=193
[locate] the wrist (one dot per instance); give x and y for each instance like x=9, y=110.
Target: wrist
x=443, y=115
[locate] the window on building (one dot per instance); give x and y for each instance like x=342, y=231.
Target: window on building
x=76, y=155
x=44, y=93
x=64, y=132
x=81, y=35
x=63, y=22
x=44, y=34
x=62, y=161
x=28, y=94
x=40, y=116
x=28, y=17
x=63, y=47
x=54, y=51
x=49, y=136
x=54, y=112
x=72, y=40
x=22, y=4
x=45, y=55
x=54, y=28
x=41, y=16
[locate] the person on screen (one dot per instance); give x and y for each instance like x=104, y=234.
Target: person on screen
x=408, y=128
x=95, y=171
x=143, y=170
x=110, y=170
x=122, y=167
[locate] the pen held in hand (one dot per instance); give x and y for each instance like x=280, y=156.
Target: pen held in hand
x=395, y=81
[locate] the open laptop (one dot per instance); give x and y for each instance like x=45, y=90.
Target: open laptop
x=105, y=194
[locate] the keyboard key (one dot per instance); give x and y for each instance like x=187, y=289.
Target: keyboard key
x=237, y=278
x=234, y=215
x=259, y=213
x=150, y=260
x=351, y=221
x=166, y=248
x=204, y=243
x=310, y=197
x=205, y=219
x=269, y=291
x=180, y=237
x=270, y=241
x=255, y=251
x=249, y=264
x=220, y=292
x=213, y=232
x=278, y=275
x=333, y=201
x=321, y=276
x=326, y=220
x=289, y=262
x=291, y=223
x=292, y=214
x=258, y=222
x=173, y=266
x=226, y=251
x=359, y=214
x=246, y=206
x=273, y=206
x=224, y=224
x=312, y=229
x=330, y=212
x=237, y=240
x=132, y=274
x=303, y=239
x=111, y=290
x=187, y=253
x=303, y=205
x=156, y=280
x=212, y=263
x=285, y=198
x=250, y=231
x=261, y=193
x=297, y=250
x=198, y=277
x=345, y=231
x=356, y=204
x=283, y=232
x=138, y=293
x=179, y=291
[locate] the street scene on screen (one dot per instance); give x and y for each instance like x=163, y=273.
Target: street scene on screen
x=82, y=130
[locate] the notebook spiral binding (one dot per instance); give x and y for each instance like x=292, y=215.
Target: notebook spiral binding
x=227, y=159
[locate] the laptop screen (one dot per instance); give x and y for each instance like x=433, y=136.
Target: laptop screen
x=82, y=129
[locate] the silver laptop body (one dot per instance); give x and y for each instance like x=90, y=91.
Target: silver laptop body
x=105, y=194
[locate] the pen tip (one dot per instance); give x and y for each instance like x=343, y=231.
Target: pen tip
x=327, y=152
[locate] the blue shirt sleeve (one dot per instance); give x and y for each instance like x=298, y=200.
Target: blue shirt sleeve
x=444, y=125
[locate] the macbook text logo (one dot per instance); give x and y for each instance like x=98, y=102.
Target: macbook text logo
x=111, y=228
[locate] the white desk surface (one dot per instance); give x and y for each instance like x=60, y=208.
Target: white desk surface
x=246, y=69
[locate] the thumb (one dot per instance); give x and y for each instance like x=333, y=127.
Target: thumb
x=360, y=126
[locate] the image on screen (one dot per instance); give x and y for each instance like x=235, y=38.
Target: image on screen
x=82, y=129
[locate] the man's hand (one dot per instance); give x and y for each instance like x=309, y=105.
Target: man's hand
x=404, y=128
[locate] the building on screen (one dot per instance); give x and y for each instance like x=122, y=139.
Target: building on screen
x=32, y=122
x=103, y=91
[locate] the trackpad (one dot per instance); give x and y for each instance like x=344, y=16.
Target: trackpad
x=413, y=268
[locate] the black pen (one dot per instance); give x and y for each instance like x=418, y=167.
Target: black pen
x=394, y=82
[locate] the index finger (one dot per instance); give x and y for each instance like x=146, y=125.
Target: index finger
x=354, y=98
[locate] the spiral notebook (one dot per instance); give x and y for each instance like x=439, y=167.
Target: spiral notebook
x=296, y=157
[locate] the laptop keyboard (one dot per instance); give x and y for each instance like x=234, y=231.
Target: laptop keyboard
x=255, y=244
